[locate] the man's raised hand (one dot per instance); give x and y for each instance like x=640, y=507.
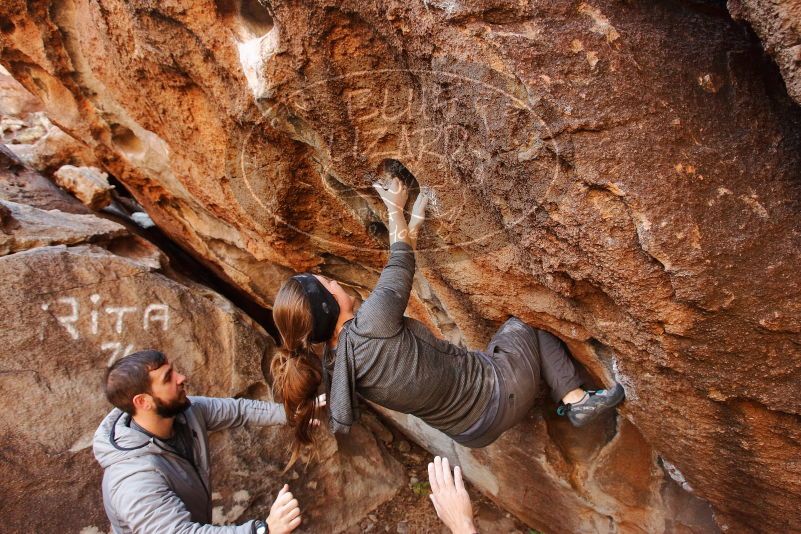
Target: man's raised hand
x=284, y=514
x=319, y=404
x=450, y=497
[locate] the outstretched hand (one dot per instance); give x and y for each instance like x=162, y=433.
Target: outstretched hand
x=284, y=514
x=450, y=497
x=418, y=215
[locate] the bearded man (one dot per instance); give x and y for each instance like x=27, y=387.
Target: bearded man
x=153, y=448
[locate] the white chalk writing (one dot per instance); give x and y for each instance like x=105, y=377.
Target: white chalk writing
x=68, y=321
x=95, y=315
x=116, y=349
x=107, y=321
x=163, y=315
x=120, y=312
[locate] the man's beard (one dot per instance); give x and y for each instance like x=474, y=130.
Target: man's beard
x=173, y=408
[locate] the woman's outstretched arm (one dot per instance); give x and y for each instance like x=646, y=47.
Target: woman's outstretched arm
x=381, y=315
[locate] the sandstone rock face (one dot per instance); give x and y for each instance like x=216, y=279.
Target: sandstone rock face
x=599, y=479
x=625, y=175
x=79, y=292
x=27, y=131
x=778, y=25
x=15, y=101
x=21, y=116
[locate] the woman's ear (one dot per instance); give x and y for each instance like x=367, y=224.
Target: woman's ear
x=345, y=301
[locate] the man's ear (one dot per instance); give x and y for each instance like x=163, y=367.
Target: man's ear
x=142, y=402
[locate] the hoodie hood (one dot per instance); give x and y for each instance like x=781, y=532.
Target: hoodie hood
x=116, y=441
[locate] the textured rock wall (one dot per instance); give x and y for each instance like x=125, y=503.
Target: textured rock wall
x=778, y=25
x=29, y=134
x=625, y=175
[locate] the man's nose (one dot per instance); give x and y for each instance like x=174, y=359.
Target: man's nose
x=181, y=378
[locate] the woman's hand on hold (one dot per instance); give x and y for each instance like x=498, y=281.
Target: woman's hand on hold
x=394, y=195
x=418, y=215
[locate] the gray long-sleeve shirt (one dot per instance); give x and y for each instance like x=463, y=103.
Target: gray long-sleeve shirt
x=148, y=487
x=396, y=362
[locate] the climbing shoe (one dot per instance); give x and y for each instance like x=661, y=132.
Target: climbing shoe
x=593, y=405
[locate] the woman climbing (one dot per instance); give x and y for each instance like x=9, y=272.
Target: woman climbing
x=396, y=362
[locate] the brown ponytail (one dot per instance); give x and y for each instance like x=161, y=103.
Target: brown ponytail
x=295, y=369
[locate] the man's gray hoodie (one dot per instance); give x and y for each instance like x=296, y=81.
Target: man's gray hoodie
x=149, y=488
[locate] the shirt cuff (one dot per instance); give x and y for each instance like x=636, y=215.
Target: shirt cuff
x=400, y=245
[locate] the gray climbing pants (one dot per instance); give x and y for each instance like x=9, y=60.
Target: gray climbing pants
x=521, y=355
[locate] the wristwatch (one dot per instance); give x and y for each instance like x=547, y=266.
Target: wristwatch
x=260, y=527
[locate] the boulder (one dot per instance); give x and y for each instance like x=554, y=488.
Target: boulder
x=54, y=150
x=25, y=227
x=78, y=293
x=625, y=175
x=87, y=184
x=23, y=185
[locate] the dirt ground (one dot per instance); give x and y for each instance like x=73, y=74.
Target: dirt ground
x=411, y=510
